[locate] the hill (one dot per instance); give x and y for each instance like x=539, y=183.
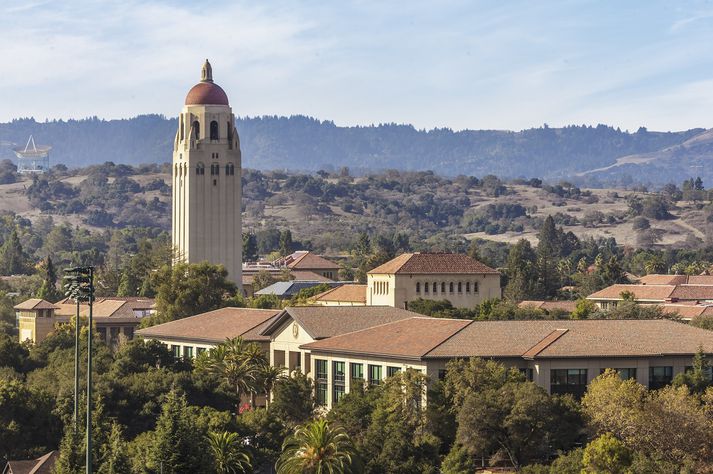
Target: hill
x=595, y=155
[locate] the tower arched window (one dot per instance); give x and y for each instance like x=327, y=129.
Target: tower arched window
x=450, y=289
x=435, y=287
x=425, y=287
x=230, y=133
x=196, y=130
x=418, y=287
x=229, y=169
x=214, y=135
x=200, y=169
x=443, y=287
x=180, y=128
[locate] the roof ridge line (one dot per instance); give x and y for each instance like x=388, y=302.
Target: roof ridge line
x=548, y=340
x=425, y=354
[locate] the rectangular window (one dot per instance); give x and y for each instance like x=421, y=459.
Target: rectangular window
x=467, y=287
x=572, y=381
x=356, y=373
x=129, y=332
x=390, y=371
x=442, y=374
x=176, y=350
x=102, y=334
x=475, y=287
x=425, y=287
x=188, y=352
x=528, y=373
x=200, y=350
x=320, y=367
x=374, y=374
x=338, y=379
x=625, y=373
x=659, y=377
x=114, y=334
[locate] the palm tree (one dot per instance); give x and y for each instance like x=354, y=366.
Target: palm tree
x=229, y=453
x=268, y=376
x=316, y=447
x=236, y=363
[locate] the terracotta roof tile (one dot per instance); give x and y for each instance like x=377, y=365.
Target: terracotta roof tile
x=328, y=321
x=433, y=263
x=532, y=352
x=641, y=292
x=214, y=326
x=351, y=293
x=309, y=260
x=408, y=338
x=658, y=279
x=309, y=275
x=35, y=303
x=567, y=306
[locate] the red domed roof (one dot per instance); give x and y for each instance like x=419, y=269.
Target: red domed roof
x=206, y=93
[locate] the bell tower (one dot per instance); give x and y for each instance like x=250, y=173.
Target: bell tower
x=207, y=192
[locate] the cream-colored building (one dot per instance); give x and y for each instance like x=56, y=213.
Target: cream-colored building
x=206, y=224
x=560, y=356
x=463, y=281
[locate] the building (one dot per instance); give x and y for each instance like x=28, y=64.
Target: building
x=287, y=289
x=560, y=356
x=113, y=317
x=306, y=261
x=250, y=271
x=207, y=190
x=463, y=281
x=611, y=296
x=345, y=295
x=190, y=336
x=658, y=279
x=41, y=465
x=550, y=306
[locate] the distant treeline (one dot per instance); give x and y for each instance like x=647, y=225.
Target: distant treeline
x=306, y=144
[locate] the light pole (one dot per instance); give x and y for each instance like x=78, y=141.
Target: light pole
x=80, y=287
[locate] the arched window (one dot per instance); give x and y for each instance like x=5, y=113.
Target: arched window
x=180, y=127
x=451, y=288
x=200, y=169
x=230, y=133
x=460, y=287
x=467, y=287
x=443, y=287
x=435, y=287
x=425, y=287
x=214, y=135
x=196, y=130
x=418, y=287
x=475, y=287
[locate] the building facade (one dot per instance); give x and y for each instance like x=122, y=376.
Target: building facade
x=207, y=192
x=463, y=281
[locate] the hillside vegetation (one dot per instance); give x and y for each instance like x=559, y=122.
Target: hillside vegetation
x=306, y=144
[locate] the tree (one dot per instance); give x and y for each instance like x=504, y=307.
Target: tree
x=48, y=291
x=286, y=245
x=114, y=458
x=548, y=249
x=698, y=378
x=249, y=247
x=584, y=309
x=521, y=272
x=236, y=363
x=267, y=377
x=189, y=289
x=177, y=445
x=606, y=455
x=13, y=260
x=230, y=456
x=293, y=399
x=263, y=279
x=317, y=447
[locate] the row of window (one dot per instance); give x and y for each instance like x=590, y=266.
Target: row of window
x=187, y=352
x=381, y=287
x=451, y=287
x=215, y=169
x=574, y=381
x=356, y=376
x=214, y=130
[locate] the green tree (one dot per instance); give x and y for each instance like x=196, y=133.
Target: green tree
x=286, y=244
x=698, y=379
x=189, y=289
x=317, y=447
x=48, y=291
x=114, y=458
x=263, y=279
x=584, y=309
x=548, y=249
x=606, y=455
x=249, y=247
x=293, y=399
x=521, y=272
x=13, y=260
x=230, y=455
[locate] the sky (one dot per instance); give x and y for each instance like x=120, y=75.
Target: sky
x=458, y=64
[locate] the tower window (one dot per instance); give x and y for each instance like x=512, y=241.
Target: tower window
x=214, y=135
x=196, y=130
x=200, y=169
x=230, y=133
x=229, y=169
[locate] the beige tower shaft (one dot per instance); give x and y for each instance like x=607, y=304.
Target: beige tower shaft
x=207, y=191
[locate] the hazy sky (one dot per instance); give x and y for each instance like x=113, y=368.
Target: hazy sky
x=458, y=64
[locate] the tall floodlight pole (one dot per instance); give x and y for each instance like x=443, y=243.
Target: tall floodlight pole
x=80, y=286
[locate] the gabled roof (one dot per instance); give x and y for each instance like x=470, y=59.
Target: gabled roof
x=567, y=306
x=433, y=338
x=409, y=338
x=34, y=304
x=215, y=326
x=328, y=321
x=658, y=279
x=433, y=263
x=306, y=260
x=687, y=311
x=656, y=292
x=348, y=293
x=117, y=308
x=309, y=275
x=41, y=465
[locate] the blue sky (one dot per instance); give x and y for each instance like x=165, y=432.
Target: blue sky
x=459, y=64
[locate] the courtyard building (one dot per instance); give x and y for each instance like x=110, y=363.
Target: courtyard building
x=461, y=280
x=611, y=296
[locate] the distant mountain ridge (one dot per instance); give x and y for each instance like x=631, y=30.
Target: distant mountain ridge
x=307, y=144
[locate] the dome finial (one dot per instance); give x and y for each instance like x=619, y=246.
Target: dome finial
x=206, y=72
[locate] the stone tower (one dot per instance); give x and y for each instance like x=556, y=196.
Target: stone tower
x=207, y=191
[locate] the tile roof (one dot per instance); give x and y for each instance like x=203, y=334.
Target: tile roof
x=688, y=311
x=41, y=465
x=309, y=275
x=215, y=326
x=306, y=260
x=567, y=306
x=117, y=308
x=641, y=292
x=433, y=263
x=693, y=292
x=351, y=293
x=585, y=338
x=408, y=338
x=328, y=321
x=286, y=289
x=35, y=303
x=658, y=279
